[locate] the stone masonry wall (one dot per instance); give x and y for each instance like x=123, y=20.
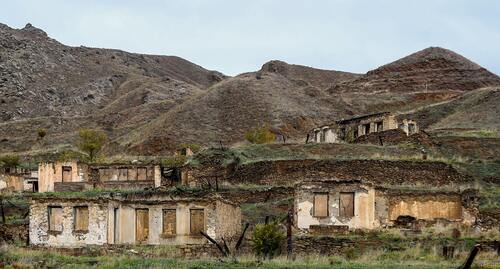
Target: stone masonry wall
x=289, y=172
x=39, y=225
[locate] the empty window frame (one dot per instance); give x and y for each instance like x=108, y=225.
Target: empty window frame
x=366, y=128
x=132, y=174
x=411, y=128
x=379, y=126
x=66, y=173
x=346, y=204
x=123, y=174
x=169, y=222
x=320, y=208
x=55, y=218
x=81, y=219
x=141, y=225
x=142, y=173
x=104, y=174
x=197, y=221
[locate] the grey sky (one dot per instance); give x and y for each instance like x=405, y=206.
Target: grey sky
x=238, y=36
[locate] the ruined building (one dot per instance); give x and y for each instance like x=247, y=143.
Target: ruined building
x=141, y=218
x=329, y=206
x=348, y=130
x=77, y=176
x=18, y=179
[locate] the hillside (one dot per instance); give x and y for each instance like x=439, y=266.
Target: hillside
x=149, y=104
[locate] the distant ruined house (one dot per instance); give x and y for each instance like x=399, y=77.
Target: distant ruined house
x=348, y=130
x=77, y=176
x=18, y=179
x=140, y=218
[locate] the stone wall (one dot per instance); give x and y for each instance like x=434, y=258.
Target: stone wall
x=394, y=137
x=125, y=176
x=228, y=221
x=290, y=172
x=39, y=224
x=71, y=186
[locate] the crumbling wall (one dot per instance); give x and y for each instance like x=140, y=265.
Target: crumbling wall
x=125, y=176
x=364, y=206
x=427, y=209
x=48, y=173
x=228, y=221
x=394, y=137
x=127, y=222
x=13, y=182
x=39, y=232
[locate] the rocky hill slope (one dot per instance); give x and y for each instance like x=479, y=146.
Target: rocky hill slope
x=149, y=104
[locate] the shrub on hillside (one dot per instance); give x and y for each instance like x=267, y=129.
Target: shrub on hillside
x=260, y=135
x=41, y=133
x=174, y=161
x=268, y=239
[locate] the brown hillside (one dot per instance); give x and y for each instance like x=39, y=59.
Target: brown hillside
x=149, y=104
x=431, y=69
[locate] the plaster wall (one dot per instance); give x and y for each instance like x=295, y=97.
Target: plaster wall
x=364, y=207
x=48, y=173
x=127, y=223
x=450, y=209
x=13, y=182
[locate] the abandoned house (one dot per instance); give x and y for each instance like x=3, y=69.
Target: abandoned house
x=329, y=206
x=18, y=179
x=125, y=176
x=54, y=175
x=140, y=218
x=348, y=130
x=77, y=176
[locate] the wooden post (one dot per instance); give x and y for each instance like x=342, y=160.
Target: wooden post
x=215, y=243
x=240, y=240
x=289, y=247
x=470, y=259
x=1, y=209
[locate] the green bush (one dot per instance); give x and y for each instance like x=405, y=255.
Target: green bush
x=10, y=161
x=174, y=161
x=268, y=239
x=41, y=133
x=260, y=135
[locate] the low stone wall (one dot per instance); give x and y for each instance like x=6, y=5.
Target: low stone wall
x=323, y=245
x=328, y=229
x=71, y=186
x=394, y=137
x=289, y=172
x=126, y=185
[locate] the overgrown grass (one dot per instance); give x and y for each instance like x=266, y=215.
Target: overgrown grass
x=416, y=257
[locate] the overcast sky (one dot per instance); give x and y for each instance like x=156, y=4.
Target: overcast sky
x=239, y=36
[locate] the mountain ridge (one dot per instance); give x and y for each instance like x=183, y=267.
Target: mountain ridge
x=148, y=104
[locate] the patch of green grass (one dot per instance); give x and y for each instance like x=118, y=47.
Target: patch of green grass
x=490, y=197
x=416, y=257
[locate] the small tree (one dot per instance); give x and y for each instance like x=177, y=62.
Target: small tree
x=260, y=135
x=268, y=239
x=41, y=133
x=91, y=141
x=10, y=161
